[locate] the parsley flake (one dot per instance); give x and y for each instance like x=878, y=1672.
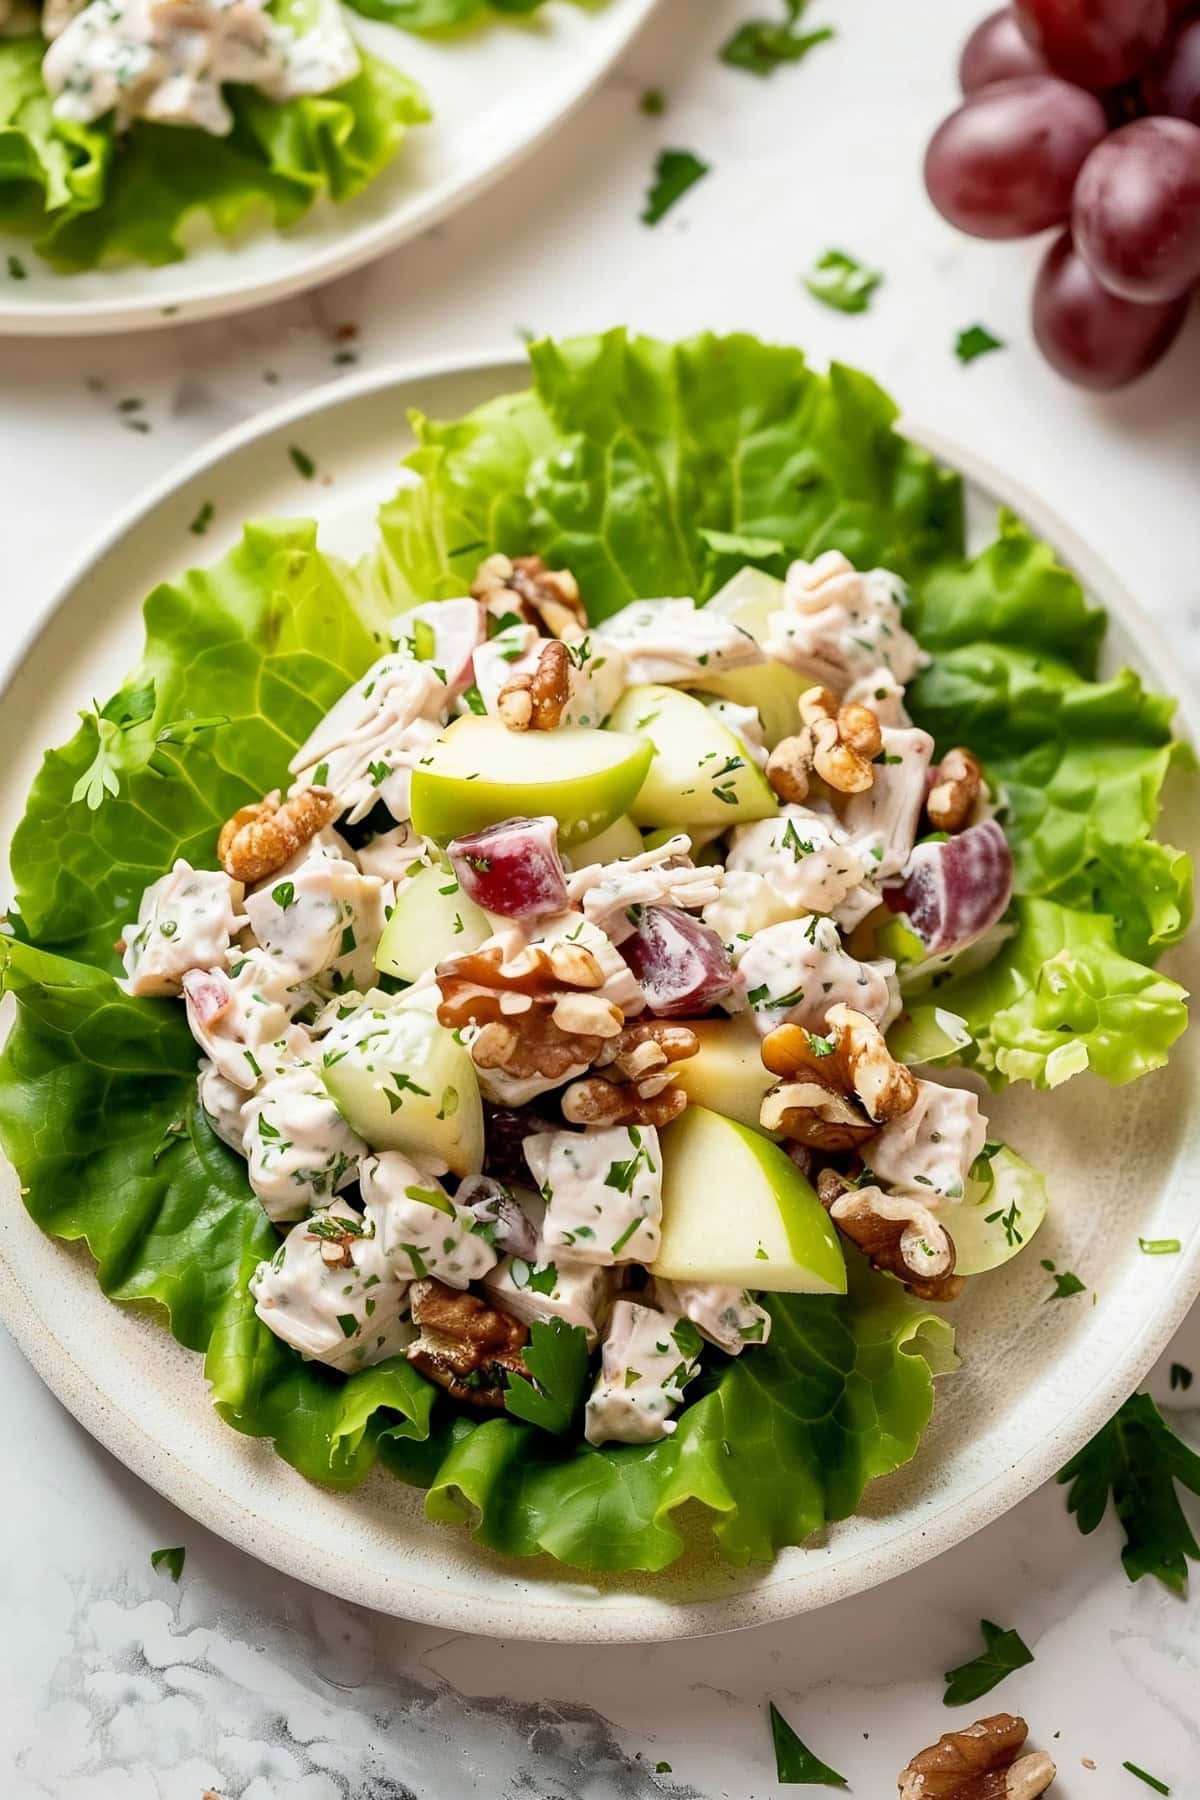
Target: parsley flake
x=760, y=46
x=674, y=173
x=1004, y=1652
x=795, y=1764
x=302, y=462
x=170, y=1560
x=840, y=281
x=975, y=341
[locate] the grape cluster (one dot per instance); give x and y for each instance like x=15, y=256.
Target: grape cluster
x=1084, y=114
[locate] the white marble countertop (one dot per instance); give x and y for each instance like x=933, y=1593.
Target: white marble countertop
x=118, y=1685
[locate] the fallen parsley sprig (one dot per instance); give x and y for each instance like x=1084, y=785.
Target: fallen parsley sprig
x=557, y=1359
x=761, y=45
x=1138, y=1459
x=795, y=1764
x=674, y=173
x=1004, y=1652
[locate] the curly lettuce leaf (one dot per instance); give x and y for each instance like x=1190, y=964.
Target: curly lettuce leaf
x=632, y=461
x=266, y=640
x=88, y=199
x=99, y=1114
x=1060, y=997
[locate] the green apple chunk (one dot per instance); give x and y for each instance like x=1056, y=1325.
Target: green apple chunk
x=749, y=599
x=928, y=1034
x=736, y=1210
x=726, y=1074
x=1004, y=1204
x=479, y=773
x=404, y=1082
x=621, y=838
x=432, y=919
x=701, y=774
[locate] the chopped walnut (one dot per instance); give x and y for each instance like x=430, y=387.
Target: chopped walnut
x=466, y=1346
x=633, y=1080
x=981, y=1762
x=897, y=1234
x=523, y=584
x=538, y=1009
x=836, y=1090
x=259, y=839
x=536, y=700
x=955, y=784
x=837, y=741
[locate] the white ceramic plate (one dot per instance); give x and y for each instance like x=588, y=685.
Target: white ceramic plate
x=1037, y=1380
x=496, y=92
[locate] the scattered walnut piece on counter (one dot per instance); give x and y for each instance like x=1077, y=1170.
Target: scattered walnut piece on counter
x=537, y=1010
x=260, y=838
x=982, y=1762
x=836, y=742
x=837, y=1089
x=955, y=785
x=633, y=1080
x=548, y=598
x=537, y=700
x=898, y=1235
x=465, y=1345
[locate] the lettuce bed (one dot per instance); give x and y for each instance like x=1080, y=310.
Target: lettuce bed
x=649, y=469
x=88, y=198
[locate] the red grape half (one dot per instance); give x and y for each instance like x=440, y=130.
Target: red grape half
x=1136, y=213
x=1095, y=338
x=997, y=50
x=1004, y=165
x=1098, y=43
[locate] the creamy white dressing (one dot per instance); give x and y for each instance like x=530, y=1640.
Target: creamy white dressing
x=803, y=855
x=334, y=1297
x=796, y=971
x=746, y=726
x=675, y=641
x=299, y=1150
x=242, y=1017
x=647, y=1359
x=421, y=1230
x=602, y=1190
x=552, y=1286
x=927, y=1152
x=620, y=984
x=666, y=876
x=837, y=625
x=222, y=1101
x=318, y=914
x=747, y=904
x=186, y=920
x=881, y=823
x=728, y=1317
x=366, y=746
x=445, y=634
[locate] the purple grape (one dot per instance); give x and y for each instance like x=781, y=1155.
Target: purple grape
x=513, y=869
x=1136, y=213
x=1097, y=43
x=997, y=50
x=681, y=963
x=1092, y=337
x=1172, y=84
x=955, y=890
x=1004, y=165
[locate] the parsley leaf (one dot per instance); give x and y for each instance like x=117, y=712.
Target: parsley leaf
x=127, y=743
x=975, y=341
x=302, y=462
x=1137, y=1459
x=674, y=173
x=1004, y=1652
x=1181, y=1376
x=795, y=1764
x=841, y=281
x=761, y=45
x=1151, y=1781
x=557, y=1359
x=543, y=1281
x=170, y=1560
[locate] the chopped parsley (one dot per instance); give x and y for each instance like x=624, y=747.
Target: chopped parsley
x=203, y=519
x=544, y=1280
x=674, y=173
x=170, y=1560
x=348, y=941
x=302, y=462
x=423, y=640
x=284, y=895
x=16, y=269
x=975, y=341
x=1004, y=1651
x=791, y=840
x=1013, y=1234
x=821, y=1046
x=653, y=103
x=795, y=1764
x=1181, y=1377
x=760, y=46
x=1151, y=1781
x=474, y=699
x=1159, y=1246
x=432, y=1197
x=1066, y=1283
x=840, y=281
x=557, y=1359
x=449, y=1105
x=1137, y=1460
x=348, y=1323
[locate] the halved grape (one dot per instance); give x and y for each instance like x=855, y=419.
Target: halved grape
x=954, y=890
x=513, y=869
x=1004, y=165
x=1092, y=337
x=1172, y=83
x=997, y=50
x=1135, y=218
x=1098, y=43
x=681, y=963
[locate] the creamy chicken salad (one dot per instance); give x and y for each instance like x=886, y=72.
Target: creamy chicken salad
x=498, y=1057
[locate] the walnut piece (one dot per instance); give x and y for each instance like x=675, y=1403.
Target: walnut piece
x=633, y=1080
x=537, y=700
x=260, y=838
x=538, y=1009
x=836, y=1090
x=982, y=1762
x=465, y=1345
x=548, y=598
x=898, y=1235
x=836, y=741
x=957, y=780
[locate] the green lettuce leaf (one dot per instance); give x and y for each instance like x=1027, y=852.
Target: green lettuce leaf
x=630, y=454
x=99, y=1114
x=88, y=200
x=264, y=641
x=1060, y=997
x=442, y=17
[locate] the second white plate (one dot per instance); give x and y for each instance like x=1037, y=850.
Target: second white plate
x=1037, y=1380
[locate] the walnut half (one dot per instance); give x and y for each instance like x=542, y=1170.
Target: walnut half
x=982, y=1762
x=955, y=783
x=548, y=598
x=260, y=838
x=838, y=1089
x=537, y=1009
x=537, y=700
x=836, y=741
x=466, y=1346
x=898, y=1235
x=633, y=1081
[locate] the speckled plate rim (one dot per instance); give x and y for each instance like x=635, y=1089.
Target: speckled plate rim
x=177, y=293
x=568, y=1614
